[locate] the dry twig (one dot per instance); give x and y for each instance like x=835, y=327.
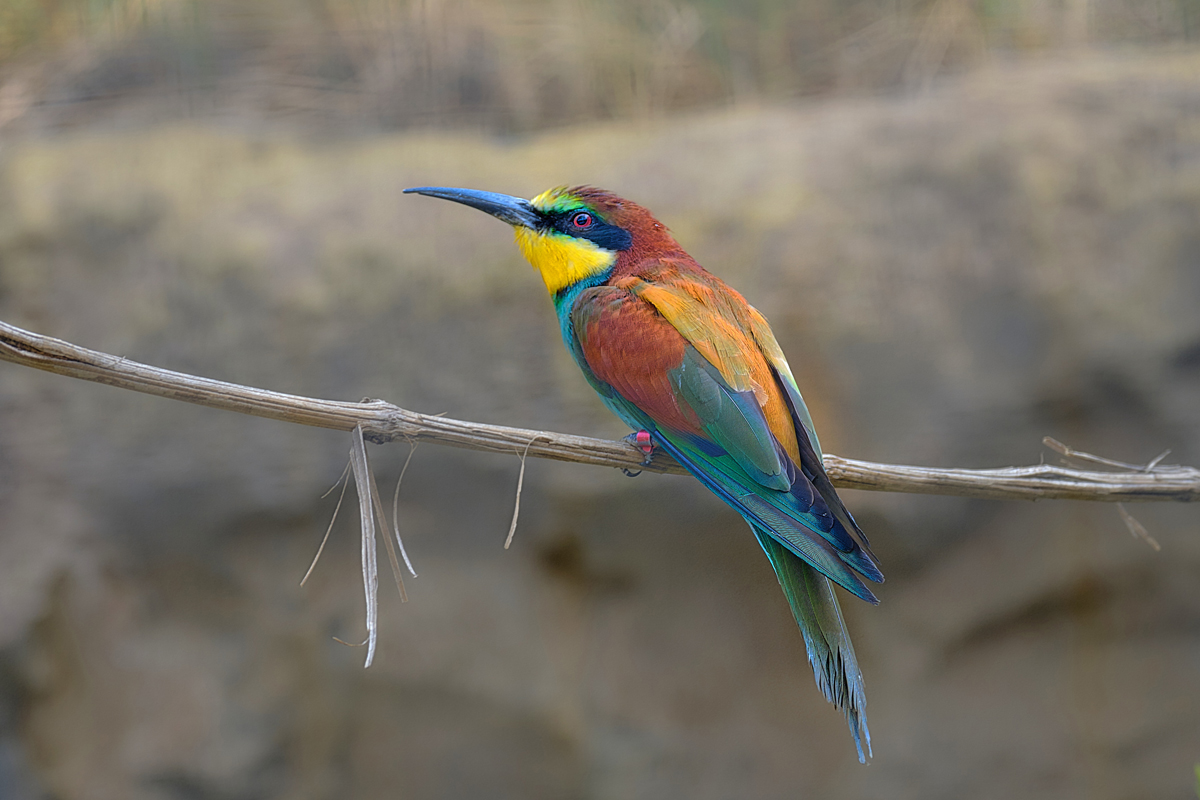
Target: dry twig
x=383, y=422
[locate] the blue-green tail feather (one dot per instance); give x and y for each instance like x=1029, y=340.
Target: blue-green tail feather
x=815, y=607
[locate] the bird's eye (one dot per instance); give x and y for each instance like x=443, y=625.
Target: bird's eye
x=582, y=220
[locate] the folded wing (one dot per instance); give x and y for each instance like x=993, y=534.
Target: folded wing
x=684, y=363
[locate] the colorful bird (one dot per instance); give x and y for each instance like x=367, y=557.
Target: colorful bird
x=694, y=369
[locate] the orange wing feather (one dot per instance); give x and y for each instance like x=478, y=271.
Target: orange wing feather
x=716, y=320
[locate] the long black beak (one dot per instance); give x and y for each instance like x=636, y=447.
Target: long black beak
x=512, y=210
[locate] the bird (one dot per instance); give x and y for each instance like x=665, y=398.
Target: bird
x=694, y=369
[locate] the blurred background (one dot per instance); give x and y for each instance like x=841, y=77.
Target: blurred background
x=972, y=223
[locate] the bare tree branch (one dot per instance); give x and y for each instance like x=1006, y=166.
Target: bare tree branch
x=384, y=422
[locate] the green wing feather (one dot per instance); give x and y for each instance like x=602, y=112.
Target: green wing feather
x=733, y=420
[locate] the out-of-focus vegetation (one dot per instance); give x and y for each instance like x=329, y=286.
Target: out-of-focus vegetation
x=514, y=65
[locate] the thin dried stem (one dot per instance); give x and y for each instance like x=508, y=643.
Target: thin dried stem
x=383, y=422
x=1154, y=462
x=1137, y=529
x=512, y=528
x=339, y=482
x=345, y=482
x=370, y=565
x=387, y=541
x=1070, y=452
x=396, y=510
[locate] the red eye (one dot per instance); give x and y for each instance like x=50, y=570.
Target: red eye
x=582, y=220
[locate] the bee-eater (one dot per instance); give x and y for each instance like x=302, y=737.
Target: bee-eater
x=693, y=368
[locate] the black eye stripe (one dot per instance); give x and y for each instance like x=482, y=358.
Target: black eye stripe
x=610, y=237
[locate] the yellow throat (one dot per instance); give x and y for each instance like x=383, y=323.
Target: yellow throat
x=562, y=260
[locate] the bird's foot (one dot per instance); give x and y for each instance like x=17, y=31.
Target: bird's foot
x=643, y=442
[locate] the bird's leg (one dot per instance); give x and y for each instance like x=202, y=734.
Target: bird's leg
x=644, y=443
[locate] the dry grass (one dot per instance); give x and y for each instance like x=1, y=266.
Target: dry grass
x=513, y=65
